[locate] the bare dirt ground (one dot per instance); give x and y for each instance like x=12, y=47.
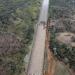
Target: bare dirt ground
x=37, y=55
x=61, y=37
x=36, y=63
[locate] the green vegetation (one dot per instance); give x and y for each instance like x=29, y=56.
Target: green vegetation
x=62, y=51
x=61, y=12
x=17, y=18
x=59, y=8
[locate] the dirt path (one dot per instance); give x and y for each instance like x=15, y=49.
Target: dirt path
x=36, y=63
x=37, y=57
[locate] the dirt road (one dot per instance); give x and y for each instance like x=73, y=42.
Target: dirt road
x=37, y=57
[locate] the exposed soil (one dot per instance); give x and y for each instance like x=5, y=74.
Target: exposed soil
x=66, y=38
x=56, y=67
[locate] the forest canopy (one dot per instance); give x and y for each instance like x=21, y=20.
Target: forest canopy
x=17, y=20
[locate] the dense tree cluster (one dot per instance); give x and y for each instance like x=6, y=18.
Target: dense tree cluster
x=17, y=20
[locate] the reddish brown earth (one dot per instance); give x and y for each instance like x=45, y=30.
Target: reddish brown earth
x=55, y=67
